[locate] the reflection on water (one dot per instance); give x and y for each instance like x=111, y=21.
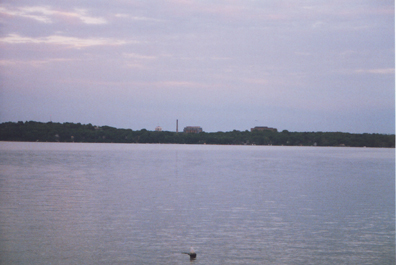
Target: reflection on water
x=146, y=204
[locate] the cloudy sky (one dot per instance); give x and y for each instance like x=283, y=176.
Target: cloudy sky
x=297, y=65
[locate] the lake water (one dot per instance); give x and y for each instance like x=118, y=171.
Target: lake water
x=76, y=203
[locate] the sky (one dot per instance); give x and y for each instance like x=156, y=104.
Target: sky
x=296, y=65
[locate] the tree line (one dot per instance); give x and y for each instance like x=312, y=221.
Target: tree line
x=76, y=132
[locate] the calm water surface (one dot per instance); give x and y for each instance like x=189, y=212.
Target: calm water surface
x=145, y=204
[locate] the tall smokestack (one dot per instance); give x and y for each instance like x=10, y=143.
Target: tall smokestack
x=177, y=126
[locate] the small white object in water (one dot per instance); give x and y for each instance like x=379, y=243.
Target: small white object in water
x=192, y=253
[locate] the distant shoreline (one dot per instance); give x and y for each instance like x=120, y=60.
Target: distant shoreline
x=192, y=144
x=87, y=133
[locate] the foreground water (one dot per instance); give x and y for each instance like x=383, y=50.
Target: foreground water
x=145, y=204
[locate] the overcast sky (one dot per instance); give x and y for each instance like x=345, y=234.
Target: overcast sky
x=297, y=65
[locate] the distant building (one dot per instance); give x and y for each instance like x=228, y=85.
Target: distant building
x=192, y=129
x=158, y=129
x=263, y=128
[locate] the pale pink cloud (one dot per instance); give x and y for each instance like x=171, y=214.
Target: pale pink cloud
x=46, y=14
x=71, y=42
x=34, y=63
x=380, y=71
